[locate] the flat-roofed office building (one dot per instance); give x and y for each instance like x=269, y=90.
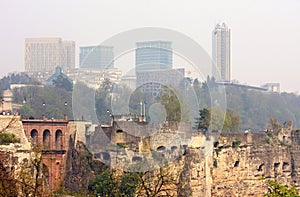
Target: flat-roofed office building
x=153, y=55
x=45, y=54
x=96, y=57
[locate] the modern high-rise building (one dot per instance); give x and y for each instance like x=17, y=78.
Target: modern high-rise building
x=154, y=81
x=45, y=54
x=221, y=52
x=96, y=57
x=153, y=55
x=154, y=67
x=68, y=57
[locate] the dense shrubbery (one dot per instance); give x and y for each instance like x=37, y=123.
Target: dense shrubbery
x=7, y=138
x=108, y=184
x=276, y=189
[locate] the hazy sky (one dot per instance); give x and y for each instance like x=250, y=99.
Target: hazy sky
x=265, y=33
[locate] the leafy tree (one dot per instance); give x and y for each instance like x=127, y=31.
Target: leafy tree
x=164, y=181
x=172, y=106
x=62, y=82
x=129, y=183
x=203, y=121
x=7, y=138
x=214, y=119
x=20, y=78
x=32, y=99
x=217, y=118
x=274, y=125
x=253, y=107
x=108, y=183
x=27, y=111
x=8, y=183
x=276, y=189
x=160, y=182
x=31, y=176
x=103, y=103
x=84, y=104
x=104, y=184
x=232, y=121
x=25, y=178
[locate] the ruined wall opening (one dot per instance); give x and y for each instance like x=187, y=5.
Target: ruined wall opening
x=104, y=156
x=173, y=148
x=236, y=164
x=161, y=148
x=119, y=131
x=136, y=159
x=46, y=139
x=184, y=149
x=216, y=144
x=285, y=166
x=276, y=165
x=58, y=140
x=260, y=167
x=34, y=136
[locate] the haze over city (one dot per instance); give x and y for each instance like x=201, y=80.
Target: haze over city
x=265, y=44
x=149, y=98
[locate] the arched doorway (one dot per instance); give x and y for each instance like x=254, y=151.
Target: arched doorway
x=46, y=139
x=58, y=140
x=34, y=136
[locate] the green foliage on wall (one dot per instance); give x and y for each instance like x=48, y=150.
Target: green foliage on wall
x=7, y=138
x=276, y=189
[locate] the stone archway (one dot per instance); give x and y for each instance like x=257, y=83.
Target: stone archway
x=34, y=136
x=46, y=139
x=58, y=140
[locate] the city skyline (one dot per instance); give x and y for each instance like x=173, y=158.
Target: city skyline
x=263, y=47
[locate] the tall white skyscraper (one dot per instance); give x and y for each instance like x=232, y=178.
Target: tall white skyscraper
x=221, y=52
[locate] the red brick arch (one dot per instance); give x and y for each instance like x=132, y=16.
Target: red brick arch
x=34, y=136
x=40, y=126
x=50, y=135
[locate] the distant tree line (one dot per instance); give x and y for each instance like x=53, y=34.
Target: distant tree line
x=248, y=109
x=50, y=101
x=253, y=107
x=214, y=119
x=20, y=78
